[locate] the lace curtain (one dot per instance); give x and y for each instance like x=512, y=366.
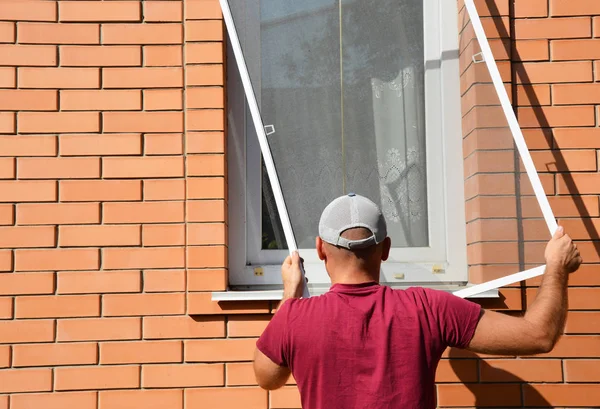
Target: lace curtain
x=342, y=86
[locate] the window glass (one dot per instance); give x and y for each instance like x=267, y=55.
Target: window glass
x=340, y=86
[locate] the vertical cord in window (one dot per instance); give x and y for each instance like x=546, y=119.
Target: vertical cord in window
x=342, y=100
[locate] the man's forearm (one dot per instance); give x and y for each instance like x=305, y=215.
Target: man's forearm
x=548, y=311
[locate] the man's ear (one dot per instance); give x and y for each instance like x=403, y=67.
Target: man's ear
x=320, y=251
x=387, y=245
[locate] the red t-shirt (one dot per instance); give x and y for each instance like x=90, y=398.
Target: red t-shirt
x=367, y=346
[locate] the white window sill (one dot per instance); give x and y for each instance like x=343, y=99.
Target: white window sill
x=277, y=295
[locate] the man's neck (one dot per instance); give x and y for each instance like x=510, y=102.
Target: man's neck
x=353, y=277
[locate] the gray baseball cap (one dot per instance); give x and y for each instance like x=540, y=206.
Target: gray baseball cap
x=351, y=211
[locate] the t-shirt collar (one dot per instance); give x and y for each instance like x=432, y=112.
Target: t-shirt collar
x=362, y=288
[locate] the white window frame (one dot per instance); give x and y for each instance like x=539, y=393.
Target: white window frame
x=445, y=260
x=481, y=290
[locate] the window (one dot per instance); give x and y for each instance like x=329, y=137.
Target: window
x=355, y=96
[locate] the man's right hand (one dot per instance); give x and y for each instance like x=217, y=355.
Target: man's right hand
x=562, y=254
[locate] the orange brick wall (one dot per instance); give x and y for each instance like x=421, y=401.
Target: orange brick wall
x=113, y=203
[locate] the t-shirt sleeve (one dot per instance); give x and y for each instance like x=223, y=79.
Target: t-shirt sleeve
x=457, y=318
x=274, y=340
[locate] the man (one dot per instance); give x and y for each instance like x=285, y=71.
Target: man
x=366, y=346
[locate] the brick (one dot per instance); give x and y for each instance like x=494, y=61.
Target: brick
x=141, y=352
x=5, y=356
x=247, y=326
x=57, y=259
x=286, y=397
x=57, y=306
x=489, y=162
x=99, y=236
x=6, y=313
x=43, y=33
x=30, y=145
x=113, y=100
x=99, y=282
x=579, y=27
x=99, y=329
x=146, y=212
x=100, y=145
x=204, y=30
x=164, y=189
x=58, y=168
x=220, y=350
x=148, y=399
x=142, y=34
x=100, y=190
x=163, y=56
x=204, y=53
x=57, y=213
x=575, y=346
x=16, y=10
x=563, y=50
x=101, y=56
x=207, y=280
x=574, y=8
x=492, y=230
x=27, y=283
x=202, y=9
x=556, y=116
x=52, y=122
x=207, y=256
x=163, y=100
x=98, y=11
x=143, y=122
x=7, y=32
x=206, y=211
x=163, y=235
x=28, y=55
x=7, y=214
x=561, y=395
x=55, y=400
x=578, y=183
x=7, y=122
x=553, y=72
x=24, y=237
x=27, y=191
x=164, y=280
x=31, y=100
x=143, y=304
x=205, y=142
x=163, y=144
x=582, y=322
x=240, y=374
x=596, y=24
x=55, y=354
x=206, y=120
x=8, y=77
x=163, y=11
x=457, y=370
x=531, y=8
x=99, y=377
x=479, y=395
x=531, y=50
x=147, y=167
x=206, y=165
x=572, y=94
x=169, y=376
x=68, y=78
x=492, y=253
x=153, y=77
x=6, y=260
x=533, y=95
x=567, y=161
x=168, y=257
x=183, y=327
x=22, y=331
x=582, y=371
x=201, y=303
x=207, y=74
x=207, y=234
x=511, y=370
x=225, y=398
x=581, y=229
x=206, y=188
x=25, y=380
